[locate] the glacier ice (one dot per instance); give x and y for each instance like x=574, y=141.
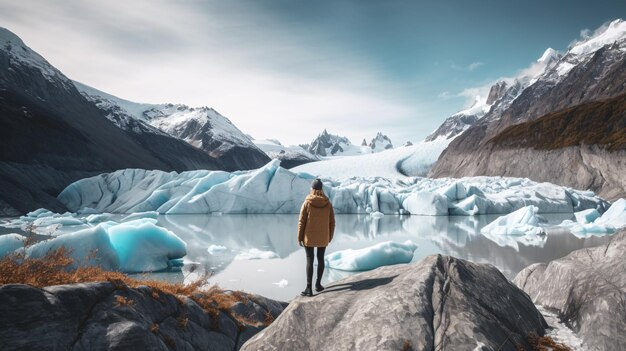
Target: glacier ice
x=587, y=216
x=588, y=222
x=143, y=246
x=216, y=249
x=134, y=246
x=255, y=254
x=10, y=242
x=615, y=216
x=382, y=254
x=139, y=215
x=273, y=189
x=521, y=222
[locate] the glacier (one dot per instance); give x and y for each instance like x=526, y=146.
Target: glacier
x=521, y=222
x=273, y=189
x=133, y=246
x=382, y=254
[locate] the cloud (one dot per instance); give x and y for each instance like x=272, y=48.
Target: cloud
x=445, y=95
x=269, y=81
x=471, y=67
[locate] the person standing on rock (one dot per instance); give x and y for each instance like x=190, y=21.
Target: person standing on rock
x=316, y=227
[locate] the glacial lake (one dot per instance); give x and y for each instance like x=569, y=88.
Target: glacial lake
x=457, y=236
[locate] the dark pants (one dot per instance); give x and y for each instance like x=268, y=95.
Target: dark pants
x=309, y=264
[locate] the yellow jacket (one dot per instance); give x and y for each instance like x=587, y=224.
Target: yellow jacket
x=316, y=225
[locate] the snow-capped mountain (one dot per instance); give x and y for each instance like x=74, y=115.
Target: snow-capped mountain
x=52, y=135
x=327, y=144
x=380, y=142
x=592, y=69
x=202, y=127
x=501, y=95
x=289, y=156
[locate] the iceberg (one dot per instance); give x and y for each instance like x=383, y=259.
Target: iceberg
x=139, y=215
x=10, y=242
x=255, y=254
x=135, y=246
x=382, y=254
x=587, y=216
x=589, y=222
x=142, y=246
x=216, y=249
x=521, y=222
x=615, y=216
x=273, y=189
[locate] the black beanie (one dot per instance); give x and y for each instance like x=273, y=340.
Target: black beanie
x=317, y=184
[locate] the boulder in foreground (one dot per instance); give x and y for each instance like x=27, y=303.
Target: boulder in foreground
x=587, y=288
x=440, y=303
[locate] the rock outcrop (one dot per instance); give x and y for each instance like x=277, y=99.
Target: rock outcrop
x=588, y=290
x=102, y=316
x=441, y=303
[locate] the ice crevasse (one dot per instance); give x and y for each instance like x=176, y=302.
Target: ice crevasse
x=273, y=189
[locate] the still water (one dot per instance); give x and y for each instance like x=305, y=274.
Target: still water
x=283, y=276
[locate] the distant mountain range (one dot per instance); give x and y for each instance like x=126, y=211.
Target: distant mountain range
x=53, y=134
x=326, y=144
x=541, y=125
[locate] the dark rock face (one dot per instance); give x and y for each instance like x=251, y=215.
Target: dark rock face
x=99, y=316
x=453, y=126
x=441, y=303
x=588, y=290
x=326, y=143
x=496, y=92
x=51, y=135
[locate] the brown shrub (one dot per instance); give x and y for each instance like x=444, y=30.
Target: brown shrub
x=545, y=343
x=55, y=268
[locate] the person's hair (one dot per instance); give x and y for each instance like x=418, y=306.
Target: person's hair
x=317, y=192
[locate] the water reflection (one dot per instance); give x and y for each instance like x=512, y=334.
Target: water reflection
x=457, y=236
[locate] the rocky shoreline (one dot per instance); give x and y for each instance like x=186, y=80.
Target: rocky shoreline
x=438, y=303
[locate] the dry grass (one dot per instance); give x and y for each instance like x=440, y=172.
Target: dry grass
x=56, y=269
x=591, y=123
x=123, y=301
x=406, y=346
x=545, y=343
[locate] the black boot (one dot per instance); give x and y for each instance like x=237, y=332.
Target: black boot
x=319, y=287
x=307, y=291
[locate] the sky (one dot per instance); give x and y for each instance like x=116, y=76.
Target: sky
x=287, y=69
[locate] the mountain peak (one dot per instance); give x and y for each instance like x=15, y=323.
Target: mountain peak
x=605, y=35
x=6, y=36
x=549, y=55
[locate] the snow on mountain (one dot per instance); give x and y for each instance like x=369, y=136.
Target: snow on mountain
x=327, y=144
x=290, y=156
x=202, y=127
x=614, y=32
x=380, y=142
x=414, y=160
x=21, y=55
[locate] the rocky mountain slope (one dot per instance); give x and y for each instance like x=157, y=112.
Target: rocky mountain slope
x=593, y=69
x=289, y=156
x=440, y=303
x=587, y=288
x=202, y=127
x=51, y=135
x=103, y=316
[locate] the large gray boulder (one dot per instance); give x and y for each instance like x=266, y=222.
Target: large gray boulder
x=103, y=316
x=588, y=290
x=440, y=303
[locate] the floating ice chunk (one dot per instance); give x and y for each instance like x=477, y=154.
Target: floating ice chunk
x=582, y=229
x=426, y=203
x=142, y=246
x=382, y=254
x=140, y=215
x=521, y=222
x=282, y=283
x=377, y=215
x=42, y=212
x=88, y=247
x=10, y=242
x=615, y=216
x=217, y=249
x=256, y=254
x=65, y=220
x=587, y=216
x=98, y=218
